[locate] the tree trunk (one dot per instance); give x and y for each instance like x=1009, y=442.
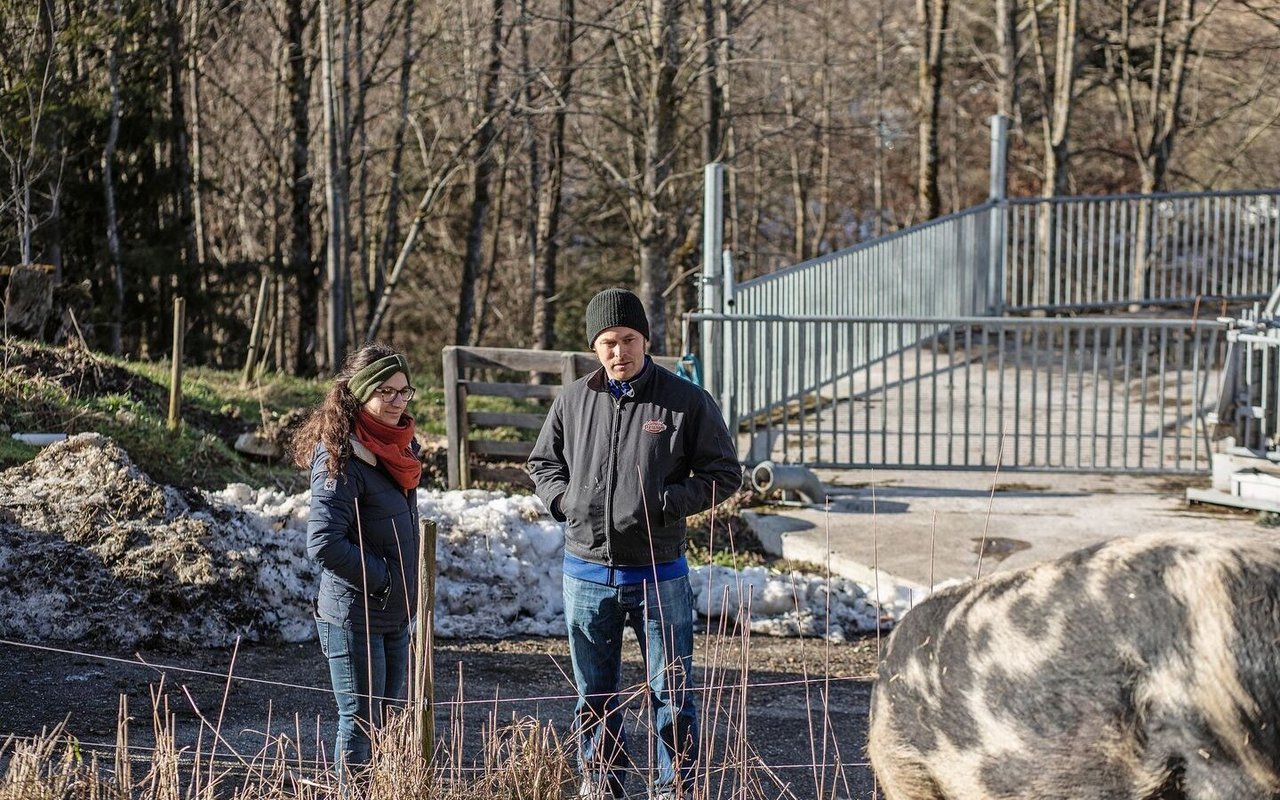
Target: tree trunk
x=1153, y=126
x=550, y=197
x=877, y=168
x=335, y=196
x=932, y=16
x=109, y=183
x=302, y=266
x=1057, y=93
x=482, y=177
x=391, y=227
x=191, y=282
x=661, y=101
x=197, y=154
x=729, y=142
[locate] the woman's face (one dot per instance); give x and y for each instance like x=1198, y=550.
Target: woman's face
x=390, y=399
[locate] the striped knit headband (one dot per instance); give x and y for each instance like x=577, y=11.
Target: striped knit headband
x=370, y=377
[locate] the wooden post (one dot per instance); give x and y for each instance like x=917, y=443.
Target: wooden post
x=255, y=335
x=464, y=437
x=424, y=668
x=568, y=368
x=451, y=414
x=175, y=373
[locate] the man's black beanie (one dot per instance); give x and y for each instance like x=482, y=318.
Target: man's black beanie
x=614, y=307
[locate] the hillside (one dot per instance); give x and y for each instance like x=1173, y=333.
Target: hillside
x=70, y=390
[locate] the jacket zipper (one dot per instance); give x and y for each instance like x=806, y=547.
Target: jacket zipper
x=612, y=480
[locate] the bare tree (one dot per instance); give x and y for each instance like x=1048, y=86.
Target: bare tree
x=395, y=191
x=549, y=197
x=33, y=167
x=1150, y=98
x=335, y=194
x=302, y=266
x=108, y=178
x=1057, y=100
x=481, y=178
x=932, y=18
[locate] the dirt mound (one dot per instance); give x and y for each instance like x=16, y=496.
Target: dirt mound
x=80, y=373
x=93, y=550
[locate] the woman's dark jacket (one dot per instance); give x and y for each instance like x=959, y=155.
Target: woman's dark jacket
x=363, y=532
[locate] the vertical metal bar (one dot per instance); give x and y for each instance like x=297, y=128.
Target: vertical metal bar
x=1066, y=357
x=1035, y=394
x=1102, y=248
x=774, y=380
x=1018, y=334
x=916, y=380
x=787, y=390
x=1093, y=283
x=868, y=392
x=951, y=396
x=1236, y=247
x=851, y=409
x=901, y=394
x=933, y=387
x=1080, y=339
x=1128, y=405
x=1163, y=378
x=1180, y=342
x=804, y=379
x=1093, y=424
x=1000, y=399
x=1111, y=391
x=884, y=405
x=1126, y=251
x=1142, y=406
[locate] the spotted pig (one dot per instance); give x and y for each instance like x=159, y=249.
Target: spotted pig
x=1138, y=668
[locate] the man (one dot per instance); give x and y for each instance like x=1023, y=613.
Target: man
x=625, y=455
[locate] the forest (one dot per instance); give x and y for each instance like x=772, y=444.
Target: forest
x=472, y=171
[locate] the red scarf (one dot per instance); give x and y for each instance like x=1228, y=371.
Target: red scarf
x=390, y=443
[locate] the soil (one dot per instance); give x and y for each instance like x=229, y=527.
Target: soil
x=499, y=679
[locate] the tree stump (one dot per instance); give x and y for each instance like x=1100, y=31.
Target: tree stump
x=28, y=298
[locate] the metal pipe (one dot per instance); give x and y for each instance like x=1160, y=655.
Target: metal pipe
x=768, y=477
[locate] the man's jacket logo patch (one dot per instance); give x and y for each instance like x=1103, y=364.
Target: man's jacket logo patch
x=655, y=426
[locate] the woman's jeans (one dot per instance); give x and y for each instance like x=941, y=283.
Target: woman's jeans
x=368, y=674
x=662, y=617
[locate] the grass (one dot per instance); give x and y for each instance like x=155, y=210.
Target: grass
x=48, y=389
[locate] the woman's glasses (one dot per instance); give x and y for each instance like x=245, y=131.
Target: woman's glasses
x=389, y=395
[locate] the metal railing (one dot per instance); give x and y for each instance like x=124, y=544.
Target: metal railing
x=1057, y=254
x=1095, y=252
x=938, y=268
x=972, y=392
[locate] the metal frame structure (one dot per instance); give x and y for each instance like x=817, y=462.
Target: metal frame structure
x=785, y=352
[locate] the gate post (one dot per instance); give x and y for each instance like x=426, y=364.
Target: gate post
x=712, y=273
x=996, y=197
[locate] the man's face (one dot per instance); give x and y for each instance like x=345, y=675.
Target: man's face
x=621, y=351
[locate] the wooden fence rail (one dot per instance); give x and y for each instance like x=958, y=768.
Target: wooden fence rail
x=503, y=372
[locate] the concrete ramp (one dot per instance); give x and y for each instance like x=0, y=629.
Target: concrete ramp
x=915, y=529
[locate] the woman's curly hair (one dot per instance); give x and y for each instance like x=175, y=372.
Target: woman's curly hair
x=332, y=422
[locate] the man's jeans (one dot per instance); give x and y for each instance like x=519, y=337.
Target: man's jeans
x=662, y=616
x=362, y=666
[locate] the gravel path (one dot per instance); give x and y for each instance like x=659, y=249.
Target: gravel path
x=785, y=716
x=499, y=680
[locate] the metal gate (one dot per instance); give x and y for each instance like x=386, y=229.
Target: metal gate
x=1087, y=394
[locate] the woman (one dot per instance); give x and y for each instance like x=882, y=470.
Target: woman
x=363, y=532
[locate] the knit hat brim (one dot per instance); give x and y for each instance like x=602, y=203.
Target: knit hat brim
x=615, y=308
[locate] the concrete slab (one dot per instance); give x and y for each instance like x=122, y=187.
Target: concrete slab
x=921, y=528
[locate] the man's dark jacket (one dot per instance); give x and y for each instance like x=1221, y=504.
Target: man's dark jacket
x=624, y=473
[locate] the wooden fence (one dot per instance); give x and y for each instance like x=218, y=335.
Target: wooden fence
x=503, y=372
